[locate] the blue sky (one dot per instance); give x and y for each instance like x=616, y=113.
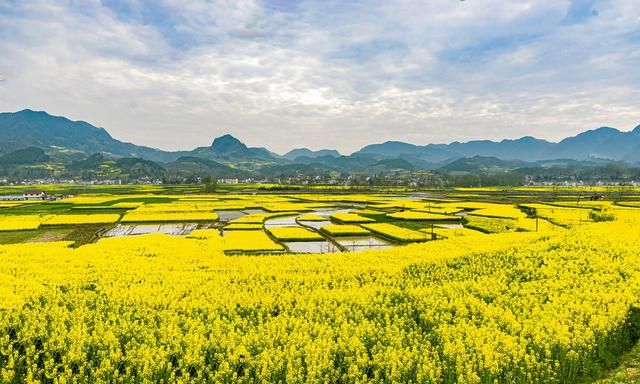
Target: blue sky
x=284, y=74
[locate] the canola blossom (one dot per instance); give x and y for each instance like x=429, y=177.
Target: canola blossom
x=259, y=218
x=395, y=232
x=247, y=241
x=106, y=218
x=20, y=222
x=368, y=212
x=445, y=233
x=564, y=216
x=501, y=211
x=351, y=218
x=138, y=217
x=422, y=216
x=237, y=241
x=515, y=307
x=241, y=226
x=311, y=217
x=344, y=230
x=523, y=293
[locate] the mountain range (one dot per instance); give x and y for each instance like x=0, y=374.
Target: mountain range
x=602, y=143
x=32, y=137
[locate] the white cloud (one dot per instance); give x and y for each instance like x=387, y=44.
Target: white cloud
x=323, y=74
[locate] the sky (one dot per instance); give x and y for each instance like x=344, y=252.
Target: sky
x=338, y=74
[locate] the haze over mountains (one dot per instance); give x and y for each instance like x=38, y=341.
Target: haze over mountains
x=37, y=137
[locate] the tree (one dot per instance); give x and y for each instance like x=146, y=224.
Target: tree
x=210, y=184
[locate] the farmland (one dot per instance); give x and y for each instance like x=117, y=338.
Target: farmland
x=174, y=286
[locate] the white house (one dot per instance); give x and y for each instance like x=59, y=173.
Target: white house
x=33, y=194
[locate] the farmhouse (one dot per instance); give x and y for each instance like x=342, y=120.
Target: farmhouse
x=29, y=194
x=11, y=197
x=33, y=194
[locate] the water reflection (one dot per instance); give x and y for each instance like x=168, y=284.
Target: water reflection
x=315, y=224
x=312, y=247
x=229, y=215
x=289, y=221
x=174, y=229
x=361, y=243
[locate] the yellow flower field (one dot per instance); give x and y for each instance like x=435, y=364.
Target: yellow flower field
x=256, y=218
x=565, y=216
x=445, y=233
x=422, y=216
x=311, y=217
x=396, y=233
x=20, y=222
x=500, y=210
x=126, y=204
x=82, y=219
x=504, y=308
x=247, y=241
x=241, y=226
x=229, y=304
x=344, y=230
x=139, y=217
x=351, y=218
x=369, y=212
x=489, y=224
x=87, y=200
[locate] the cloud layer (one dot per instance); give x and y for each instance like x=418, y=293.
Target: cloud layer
x=285, y=74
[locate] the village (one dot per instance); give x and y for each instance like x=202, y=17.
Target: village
x=33, y=194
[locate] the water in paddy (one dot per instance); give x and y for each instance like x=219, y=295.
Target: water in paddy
x=311, y=247
x=174, y=229
x=329, y=212
x=253, y=211
x=361, y=243
x=315, y=224
x=451, y=226
x=289, y=221
x=229, y=215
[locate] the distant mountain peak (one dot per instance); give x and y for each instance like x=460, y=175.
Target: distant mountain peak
x=227, y=144
x=306, y=152
x=27, y=111
x=601, y=130
x=29, y=128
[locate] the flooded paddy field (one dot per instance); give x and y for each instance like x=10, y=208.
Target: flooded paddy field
x=260, y=217
x=173, y=229
x=311, y=247
x=362, y=243
x=314, y=224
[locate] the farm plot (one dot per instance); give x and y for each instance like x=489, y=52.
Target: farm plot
x=344, y=230
x=350, y=218
x=158, y=217
x=20, y=223
x=422, y=216
x=294, y=234
x=178, y=229
x=396, y=233
x=362, y=243
x=82, y=219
